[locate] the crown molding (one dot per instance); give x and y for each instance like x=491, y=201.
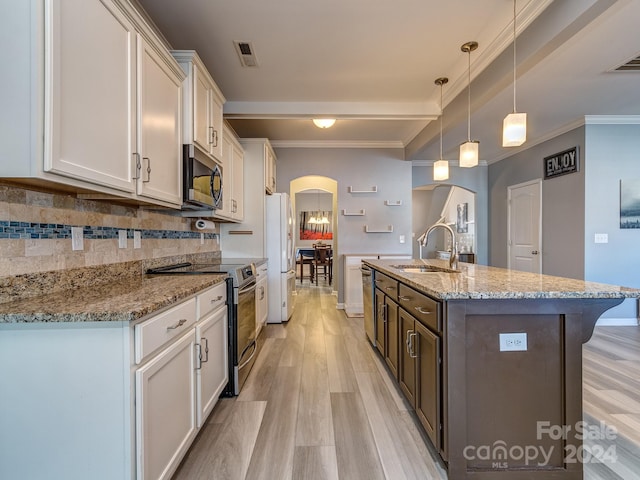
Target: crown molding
x=452, y=163
x=612, y=119
x=335, y=144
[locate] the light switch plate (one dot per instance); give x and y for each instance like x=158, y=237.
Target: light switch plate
x=402, y=239
x=513, y=342
x=122, y=239
x=601, y=238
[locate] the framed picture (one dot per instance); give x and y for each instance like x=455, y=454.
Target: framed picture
x=462, y=218
x=629, y=203
x=315, y=225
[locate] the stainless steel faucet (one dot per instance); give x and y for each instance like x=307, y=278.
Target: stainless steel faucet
x=424, y=238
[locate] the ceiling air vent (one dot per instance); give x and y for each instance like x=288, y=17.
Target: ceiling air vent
x=632, y=65
x=245, y=52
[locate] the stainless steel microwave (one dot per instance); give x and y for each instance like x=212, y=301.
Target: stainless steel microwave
x=202, y=181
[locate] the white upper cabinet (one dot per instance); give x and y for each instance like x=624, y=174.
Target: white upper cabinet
x=90, y=93
x=233, y=179
x=160, y=175
x=269, y=169
x=202, y=106
x=100, y=98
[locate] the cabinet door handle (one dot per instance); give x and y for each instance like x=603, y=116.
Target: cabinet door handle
x=206, y=350
x=214, y=136
x=148, y=169
x=181, y=322
x=211, y=131
x=423, y=311
x=389, y=288
x=534, y=252
x=407, y=341
x=404, y=298
x=138, y=166
x=261, y=293
x=412, y=353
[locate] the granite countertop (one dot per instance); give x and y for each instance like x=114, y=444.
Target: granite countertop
x=482, y=282
x=126, y=300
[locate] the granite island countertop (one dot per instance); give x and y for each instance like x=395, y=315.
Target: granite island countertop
x=483, y=282
x=126, y=300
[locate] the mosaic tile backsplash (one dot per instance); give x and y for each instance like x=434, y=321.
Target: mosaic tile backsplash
x=35, y=233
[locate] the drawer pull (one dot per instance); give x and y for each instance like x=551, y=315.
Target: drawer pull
x=217, y=299
x=389, y=288
x=423, y=311
x=181, y=322
x=404, y=298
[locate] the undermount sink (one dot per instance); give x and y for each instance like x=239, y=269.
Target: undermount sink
x=424, y=269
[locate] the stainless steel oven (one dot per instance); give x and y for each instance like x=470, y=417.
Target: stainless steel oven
x=241, y=304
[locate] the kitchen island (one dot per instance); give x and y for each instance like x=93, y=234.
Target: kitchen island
x=491, y=361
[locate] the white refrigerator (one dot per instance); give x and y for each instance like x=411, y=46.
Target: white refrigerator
x=281, y=274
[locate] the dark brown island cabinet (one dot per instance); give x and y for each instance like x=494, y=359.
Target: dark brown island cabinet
x=491, y=362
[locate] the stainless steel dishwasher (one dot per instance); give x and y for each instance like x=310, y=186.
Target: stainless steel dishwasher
x=367, y=302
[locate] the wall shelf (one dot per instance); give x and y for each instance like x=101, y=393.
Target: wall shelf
x=388, y=230
x=393, y=203
x=374, y=189
x=359, y=213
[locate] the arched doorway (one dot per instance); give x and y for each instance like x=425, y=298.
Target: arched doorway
x=449, y=204
x=310, y=193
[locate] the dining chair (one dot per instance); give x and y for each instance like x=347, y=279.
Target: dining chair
x=323, y=258
x=303, y=258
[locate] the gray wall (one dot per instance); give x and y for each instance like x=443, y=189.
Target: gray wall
x=611, y=157
x=361, y=169
x=562, y=206
x=474, y=179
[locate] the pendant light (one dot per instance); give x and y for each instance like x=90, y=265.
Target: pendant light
x=441, y=167
x=514, y=127
x=469, y=151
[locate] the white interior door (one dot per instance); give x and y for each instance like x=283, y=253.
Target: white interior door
x=525, y=226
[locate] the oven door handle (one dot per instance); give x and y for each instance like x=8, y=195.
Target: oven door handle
x=253, y=344
x=250, y=288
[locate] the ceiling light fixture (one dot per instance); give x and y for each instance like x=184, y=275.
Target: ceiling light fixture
x=441, y=167
x=514, y=127
x=469, y=151
x=324, y=122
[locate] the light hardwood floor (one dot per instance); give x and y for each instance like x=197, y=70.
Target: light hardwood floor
x=320, y=404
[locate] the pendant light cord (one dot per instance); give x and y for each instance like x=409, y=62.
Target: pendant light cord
x=469, y=101
x=441, y=115
x=514, y=56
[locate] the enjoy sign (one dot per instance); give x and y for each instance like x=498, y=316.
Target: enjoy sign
x=561, y=163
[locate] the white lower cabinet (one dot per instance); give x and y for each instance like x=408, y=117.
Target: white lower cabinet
x=165, y=409
x=111, y=400
x=212, y=369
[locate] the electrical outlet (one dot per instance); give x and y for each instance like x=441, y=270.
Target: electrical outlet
x=77, y=238
x=137, y=239
x=513, y=342
x=601, y=238
x=122, y=239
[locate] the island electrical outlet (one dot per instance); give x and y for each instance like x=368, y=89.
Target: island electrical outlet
x=513, y=342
